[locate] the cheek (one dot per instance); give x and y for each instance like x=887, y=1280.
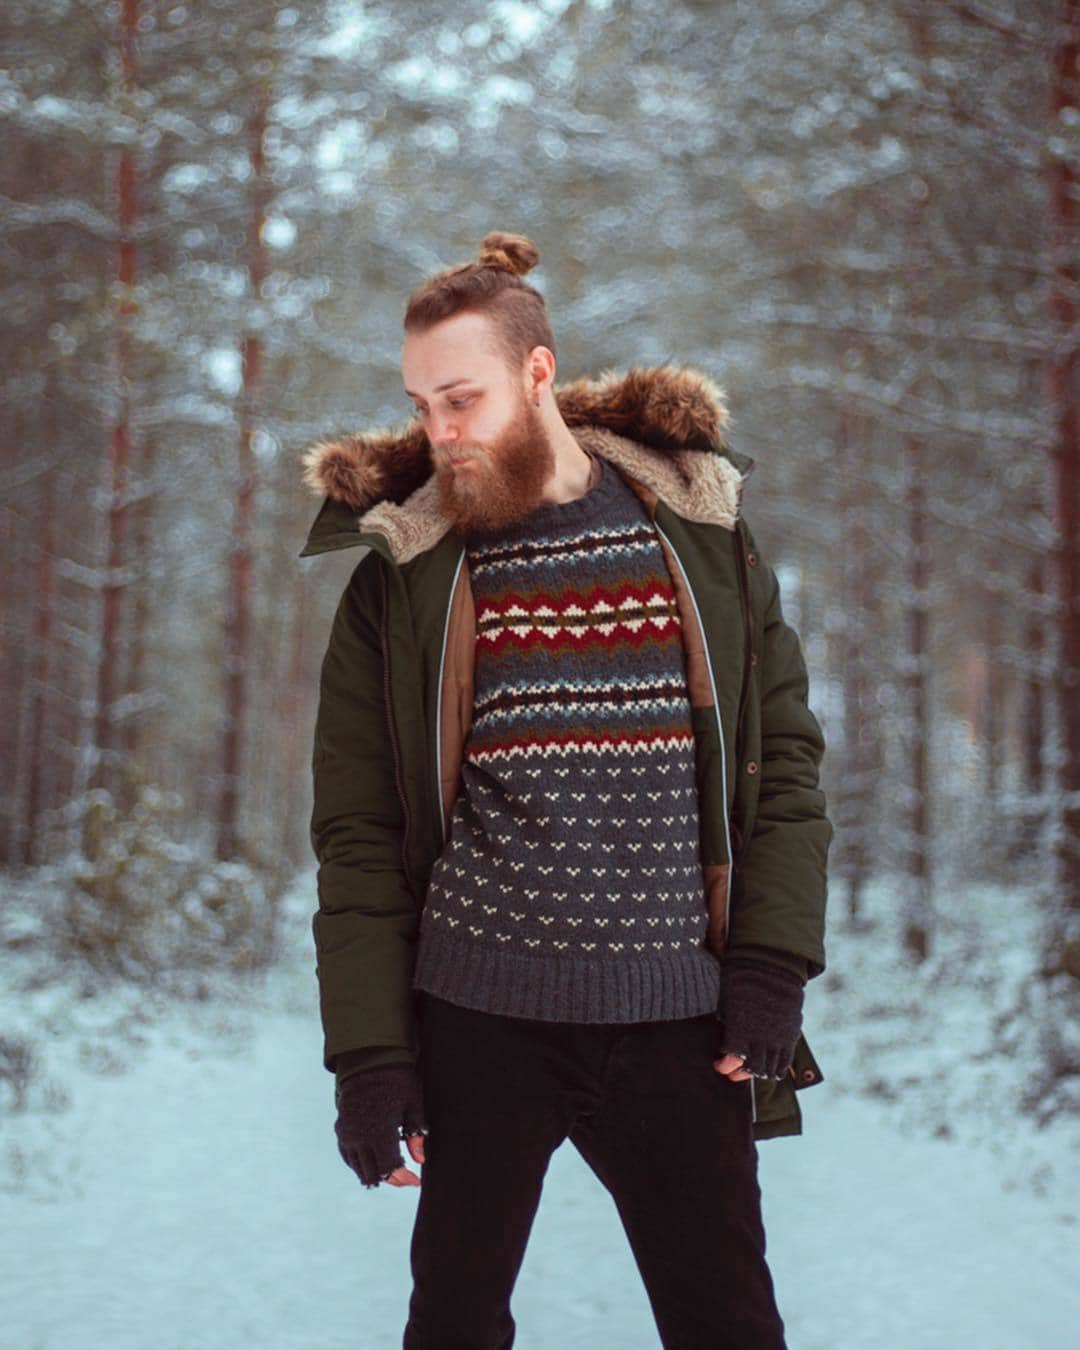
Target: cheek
x=482, y=430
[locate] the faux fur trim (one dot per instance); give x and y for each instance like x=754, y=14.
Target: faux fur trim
x=658, y=424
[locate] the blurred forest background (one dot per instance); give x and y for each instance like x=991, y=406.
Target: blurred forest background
x=862, y=219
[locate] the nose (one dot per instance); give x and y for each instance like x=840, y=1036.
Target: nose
x=441, y=430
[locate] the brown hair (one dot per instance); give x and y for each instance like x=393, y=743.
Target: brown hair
x=491, y=284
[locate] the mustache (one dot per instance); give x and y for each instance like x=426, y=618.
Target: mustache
x=446, y=453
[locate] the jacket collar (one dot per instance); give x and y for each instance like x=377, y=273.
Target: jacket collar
x=663, y=426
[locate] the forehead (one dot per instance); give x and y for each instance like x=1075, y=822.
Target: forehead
x=454, y=350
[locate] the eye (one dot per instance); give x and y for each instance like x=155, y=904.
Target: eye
x=453, y=402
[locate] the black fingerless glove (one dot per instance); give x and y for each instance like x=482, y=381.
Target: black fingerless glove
x=760, y=1011
x=377, y=1108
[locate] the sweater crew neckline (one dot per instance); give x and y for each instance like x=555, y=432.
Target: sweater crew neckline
x=559, y=515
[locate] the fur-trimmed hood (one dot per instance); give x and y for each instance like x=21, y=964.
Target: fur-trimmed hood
x=665, y=426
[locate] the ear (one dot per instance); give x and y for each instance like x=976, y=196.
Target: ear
x=540, y=371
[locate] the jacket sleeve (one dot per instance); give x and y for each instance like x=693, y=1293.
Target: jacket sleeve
x=779, y=892
x=366, y=924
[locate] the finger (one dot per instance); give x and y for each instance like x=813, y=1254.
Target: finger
x=415, y=1144
x=363, y=1165
x=402, y=1176
x=736, y=1072
x=388, y=1157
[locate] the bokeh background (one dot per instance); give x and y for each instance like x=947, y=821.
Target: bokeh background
x=863, y=221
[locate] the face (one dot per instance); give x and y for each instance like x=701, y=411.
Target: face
x=490, y=449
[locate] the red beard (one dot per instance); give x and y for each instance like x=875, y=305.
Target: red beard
x=503, y=481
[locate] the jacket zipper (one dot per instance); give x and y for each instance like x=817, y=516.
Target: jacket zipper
x=748, y=654
x=437, y=756
x=719, y=725
x=384, y=633
x=748, y=623
x=723, y=762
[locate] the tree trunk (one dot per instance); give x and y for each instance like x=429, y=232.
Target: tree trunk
x=104, y=744
x=39, y=677
x=856, y=804
x=918, y=904
x=238, y=618
x=1063, y=938
x=141, y=532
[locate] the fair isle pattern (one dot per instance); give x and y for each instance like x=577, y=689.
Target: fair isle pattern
x=570, y=885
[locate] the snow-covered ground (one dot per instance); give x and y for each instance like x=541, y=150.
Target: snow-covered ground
x=173, y=1181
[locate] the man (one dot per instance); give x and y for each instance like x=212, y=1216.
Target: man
x=571, y=840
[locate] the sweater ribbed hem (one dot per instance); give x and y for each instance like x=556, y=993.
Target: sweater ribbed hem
x=656, y=988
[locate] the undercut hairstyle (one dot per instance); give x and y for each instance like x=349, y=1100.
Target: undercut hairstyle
x=492, y=285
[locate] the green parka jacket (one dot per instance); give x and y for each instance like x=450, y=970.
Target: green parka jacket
x=395, y=704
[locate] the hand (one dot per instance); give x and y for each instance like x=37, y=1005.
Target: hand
x=376, y=1109
x=760, y=1011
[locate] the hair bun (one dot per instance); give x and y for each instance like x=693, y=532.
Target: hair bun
x=512, y=252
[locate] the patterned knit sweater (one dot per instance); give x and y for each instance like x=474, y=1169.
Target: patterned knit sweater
x=570, y=887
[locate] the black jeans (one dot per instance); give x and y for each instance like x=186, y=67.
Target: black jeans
x=668, y=1137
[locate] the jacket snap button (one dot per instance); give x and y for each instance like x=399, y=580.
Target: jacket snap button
x=753, y=658
x=751, y=558
x=808, y=1075
x=752, y=766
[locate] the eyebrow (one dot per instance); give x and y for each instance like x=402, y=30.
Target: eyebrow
x=462, y=379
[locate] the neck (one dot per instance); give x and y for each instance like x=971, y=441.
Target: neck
x=575, y=472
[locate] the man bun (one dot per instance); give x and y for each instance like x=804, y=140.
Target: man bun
x=511, y=252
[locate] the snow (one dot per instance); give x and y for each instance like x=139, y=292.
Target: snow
x=173, y=1181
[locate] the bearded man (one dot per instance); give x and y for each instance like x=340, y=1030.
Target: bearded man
x=572, y=844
